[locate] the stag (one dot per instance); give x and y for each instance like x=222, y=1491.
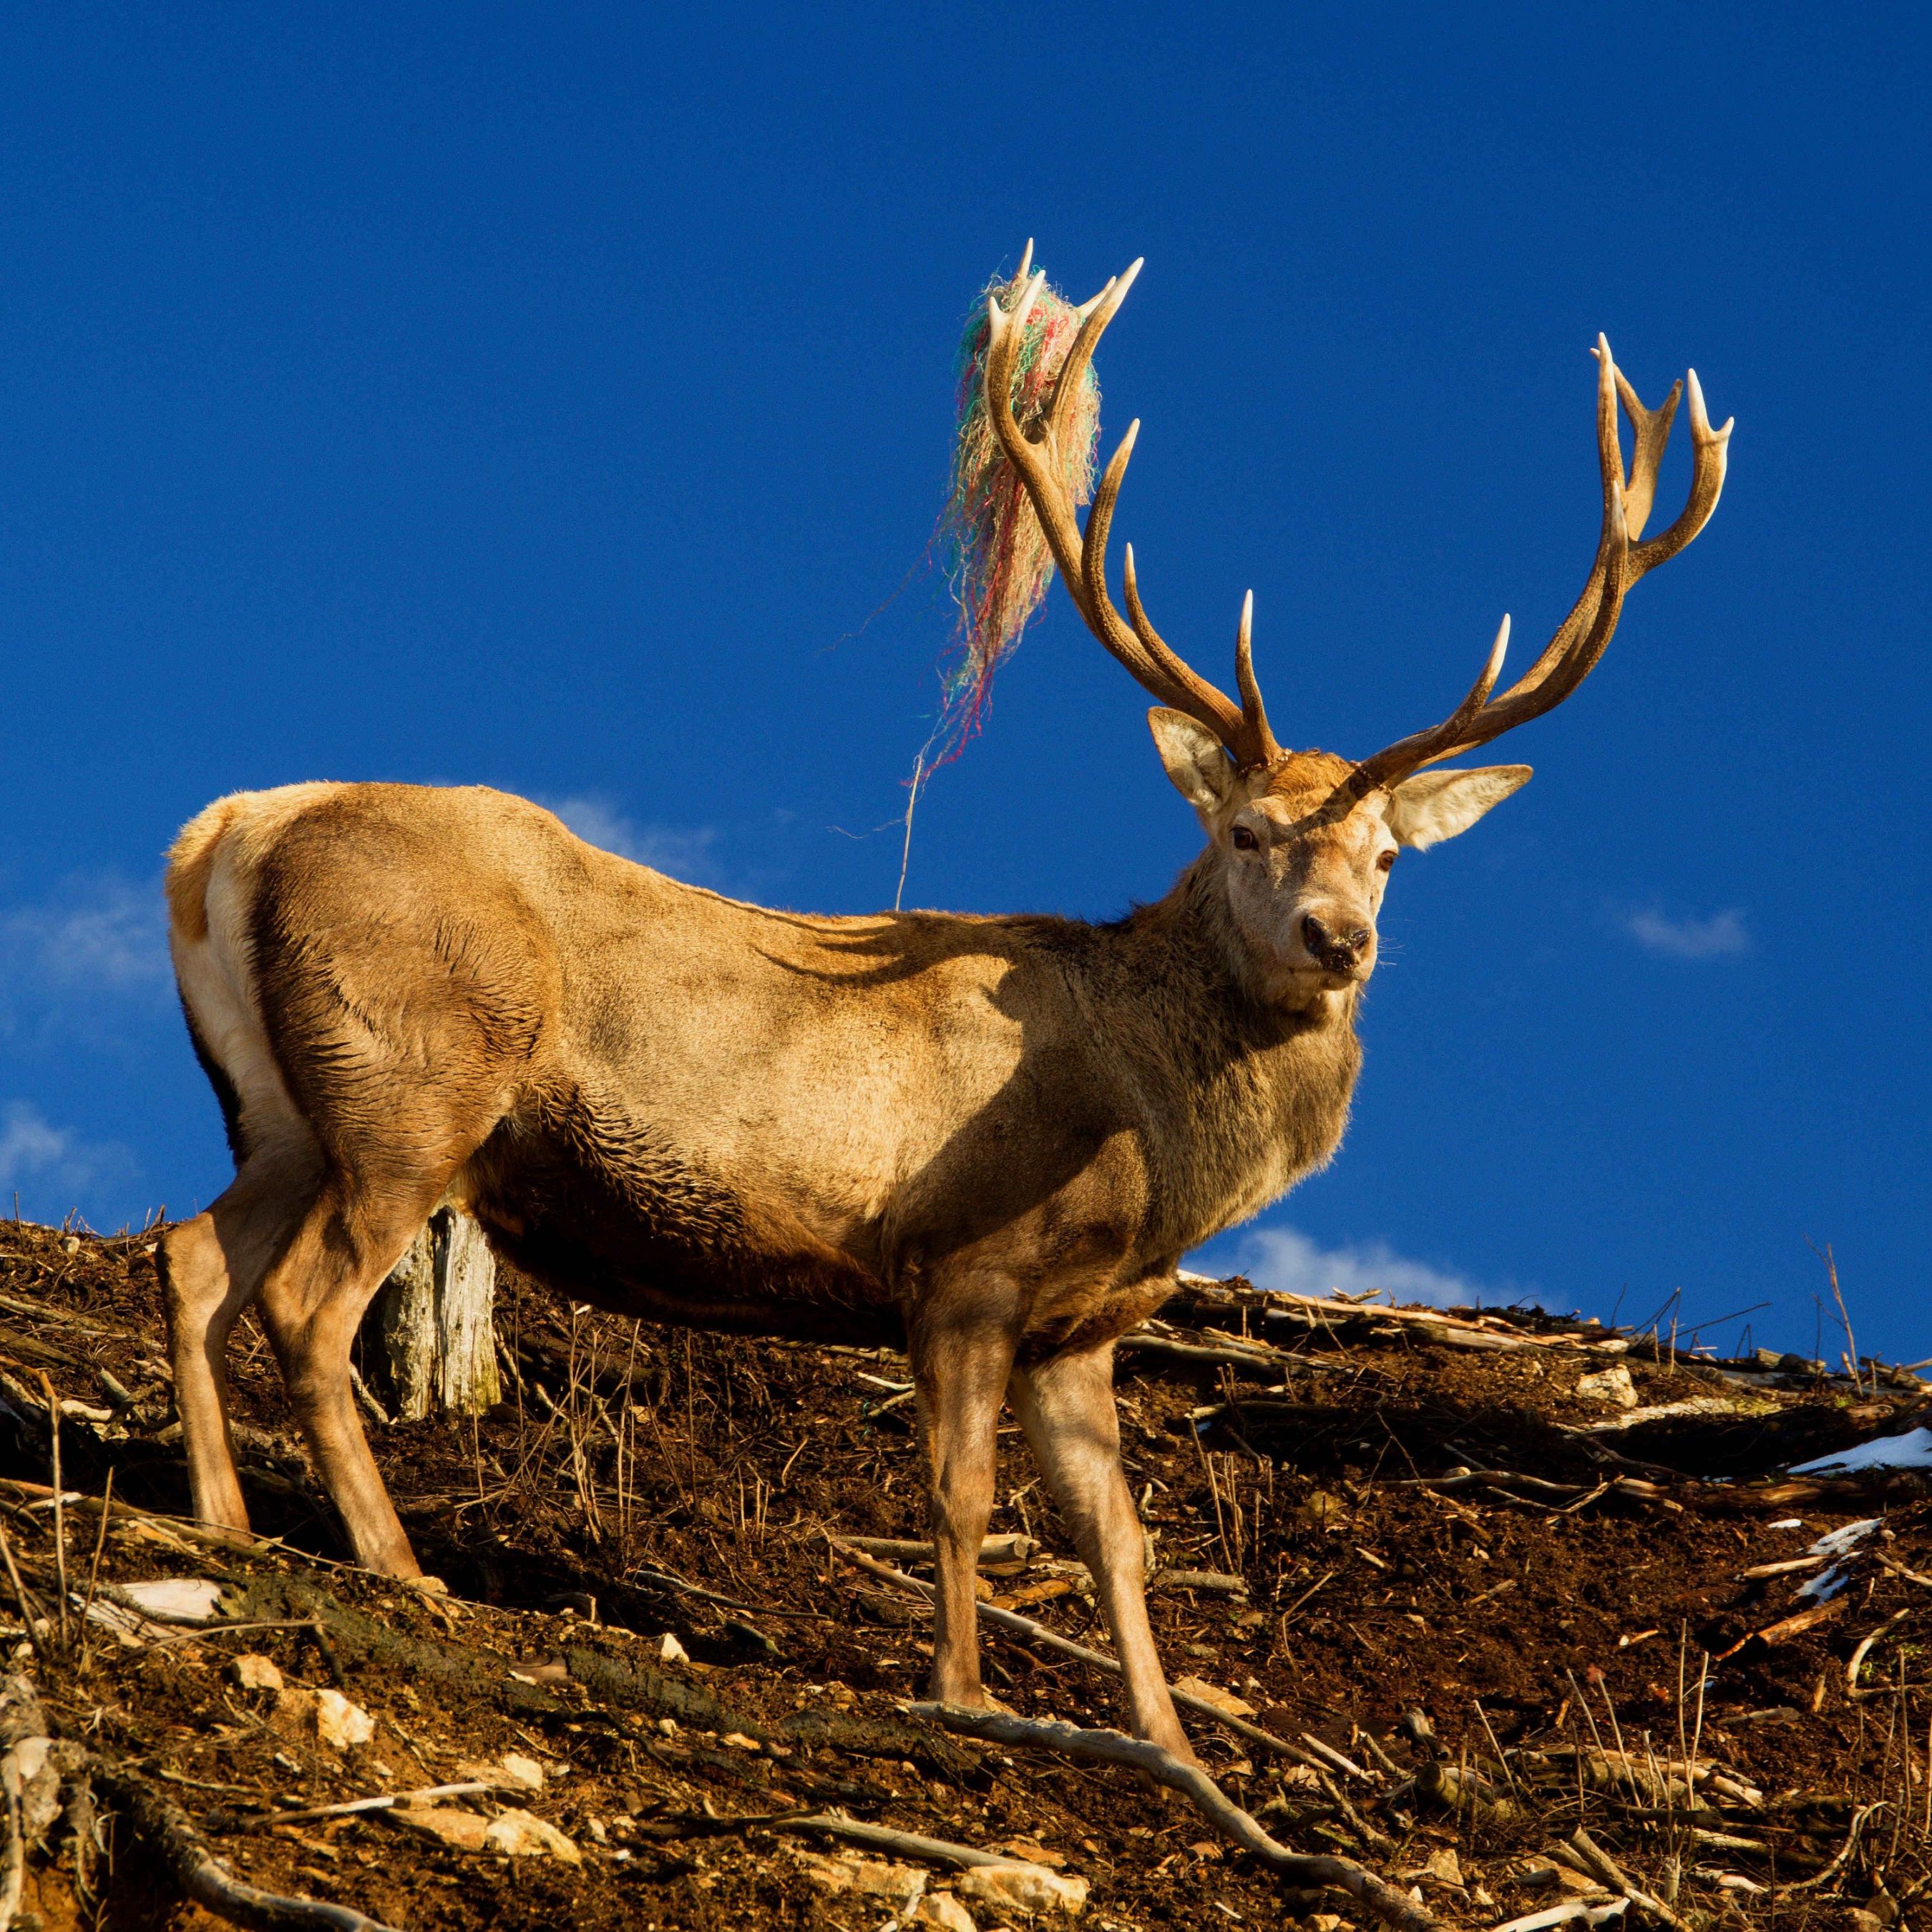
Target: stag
x=988, y=1141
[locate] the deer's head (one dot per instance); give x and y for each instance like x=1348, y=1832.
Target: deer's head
x=1302, y=842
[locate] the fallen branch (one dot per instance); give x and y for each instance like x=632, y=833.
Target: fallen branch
x=208, y=1881
x=883, y=1838
x=1014, y=1549
x=1785, y=1628
x=1864, y=1651
x=1393, y=1907
x=1859, y=1819
x=1051, y=1640
x=261, y=1821
x=1571, y=1912
x=1217, y=1580
x=1259, y=1356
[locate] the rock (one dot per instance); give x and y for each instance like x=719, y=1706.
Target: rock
x=832, y=1875
x=181, y=1599
x=323, y=1717
x=525, y=1773
x=460, y=1831
x=1225, y=1701
x=669, y=1651
x=900, y=1886
x=1442, y=1866
x=339, y=1723
x=253, y=1672
x=943, y=1911
x=518, y=1835
x=1025, y=1888
x=1612, y=1385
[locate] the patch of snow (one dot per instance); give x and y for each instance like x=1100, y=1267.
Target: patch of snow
x=1826, y=1584
x=1841, y=1542
x=1912, y=1450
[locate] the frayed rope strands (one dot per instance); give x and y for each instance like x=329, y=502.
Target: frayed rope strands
x=998, y=559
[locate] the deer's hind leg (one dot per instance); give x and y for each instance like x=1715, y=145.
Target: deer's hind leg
x=962, y=1357
x=210, y=1268
x=313, y=1301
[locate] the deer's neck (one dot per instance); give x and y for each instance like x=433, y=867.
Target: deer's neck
x=1244, y=1097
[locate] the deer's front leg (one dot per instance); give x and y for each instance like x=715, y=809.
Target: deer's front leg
x=1067, y=1407
x=961, y=1372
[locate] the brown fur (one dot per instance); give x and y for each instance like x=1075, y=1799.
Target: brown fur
x=988, y=1139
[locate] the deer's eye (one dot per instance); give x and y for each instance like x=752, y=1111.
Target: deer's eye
x=1384, y=863
x=1244, y=841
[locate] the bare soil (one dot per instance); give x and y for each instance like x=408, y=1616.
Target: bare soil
x=1365, y=1494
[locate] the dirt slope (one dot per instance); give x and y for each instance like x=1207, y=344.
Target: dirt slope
x=1381, y=1516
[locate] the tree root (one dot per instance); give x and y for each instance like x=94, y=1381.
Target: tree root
x=207, y=1881
x=1376, y=1895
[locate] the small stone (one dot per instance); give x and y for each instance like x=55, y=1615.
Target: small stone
x=1026, y=1888
x=251, y=1671
x=525, y=1773
x=460, y=1831
x=669, y=1651
x=737, y=1741
x=341, y=1724
x=943, y=1913
x=1441, y=1866
x=1612, y=1385
x=519, y=1834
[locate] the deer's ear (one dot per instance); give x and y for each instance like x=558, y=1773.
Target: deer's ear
x=1432, y=806
x=1196, y=760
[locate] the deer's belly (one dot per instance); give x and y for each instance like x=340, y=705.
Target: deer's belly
x=625, y=1223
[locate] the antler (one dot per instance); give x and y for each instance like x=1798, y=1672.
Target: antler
x=1581, y=639
x=1036, y=454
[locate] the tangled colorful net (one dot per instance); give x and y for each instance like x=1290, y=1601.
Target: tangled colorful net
x=998, y=560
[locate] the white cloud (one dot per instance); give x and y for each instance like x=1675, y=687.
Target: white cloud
x=1285, y=1259
x=100, y=933
x=684, y=853
x=1722, y=935
x=52, y=1167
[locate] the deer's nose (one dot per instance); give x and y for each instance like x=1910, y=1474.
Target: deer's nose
x=1340, y=950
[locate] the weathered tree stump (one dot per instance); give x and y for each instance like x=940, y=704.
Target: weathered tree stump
x=429, y=1336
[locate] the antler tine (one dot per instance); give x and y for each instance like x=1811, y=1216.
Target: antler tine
x=1710, y=453
x=1160, y=669
x=1583, y=636
x=1082, y=558
x=1651, y=429
x=1094, y=317
x=1254, y=713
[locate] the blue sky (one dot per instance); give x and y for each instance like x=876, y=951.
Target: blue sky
x=551, y=398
